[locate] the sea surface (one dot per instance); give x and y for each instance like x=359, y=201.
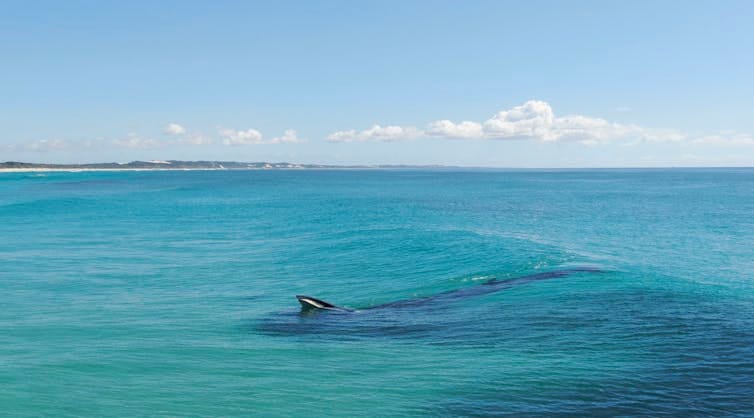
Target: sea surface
x=173, y=293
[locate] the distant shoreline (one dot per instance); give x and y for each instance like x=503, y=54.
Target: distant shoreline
x=175, y=165
x=77, y=170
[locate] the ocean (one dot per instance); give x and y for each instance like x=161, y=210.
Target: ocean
x=172, y=293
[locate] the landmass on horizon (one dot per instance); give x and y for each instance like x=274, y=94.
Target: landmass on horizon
x=190, y=165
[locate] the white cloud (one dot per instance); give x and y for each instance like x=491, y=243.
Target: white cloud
x=254, y=137
x=448, y=129
x=233, y=137
x=343, y=136
x=376, y=133
x=288, y=137
x=184, y=137
x=533, y=120
x=174, y=129
x=536, y=120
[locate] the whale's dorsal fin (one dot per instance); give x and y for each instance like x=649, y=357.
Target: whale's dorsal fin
x=308, y=302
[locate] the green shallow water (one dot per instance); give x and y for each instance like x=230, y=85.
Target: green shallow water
x=171, y=293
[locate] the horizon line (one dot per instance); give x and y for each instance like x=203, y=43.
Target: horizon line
x=165, y=165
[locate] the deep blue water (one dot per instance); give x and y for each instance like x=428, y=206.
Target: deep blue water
x=172, y=293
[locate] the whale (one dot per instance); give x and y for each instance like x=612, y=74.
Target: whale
x=439, y=317
x=309, y=303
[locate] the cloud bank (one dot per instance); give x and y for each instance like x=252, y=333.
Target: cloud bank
x=376, y=133
x=254, y=137
x=534, y=120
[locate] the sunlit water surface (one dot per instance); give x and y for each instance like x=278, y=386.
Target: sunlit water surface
x=172, y=293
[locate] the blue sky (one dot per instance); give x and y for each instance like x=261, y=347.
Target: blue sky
x=475, y=83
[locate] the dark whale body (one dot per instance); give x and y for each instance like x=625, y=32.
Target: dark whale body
x=491, y=286
x=399, y=318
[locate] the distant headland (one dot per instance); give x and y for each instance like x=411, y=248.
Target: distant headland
x=13, y=166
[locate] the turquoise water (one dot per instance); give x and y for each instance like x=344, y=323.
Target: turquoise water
x=172, y=293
